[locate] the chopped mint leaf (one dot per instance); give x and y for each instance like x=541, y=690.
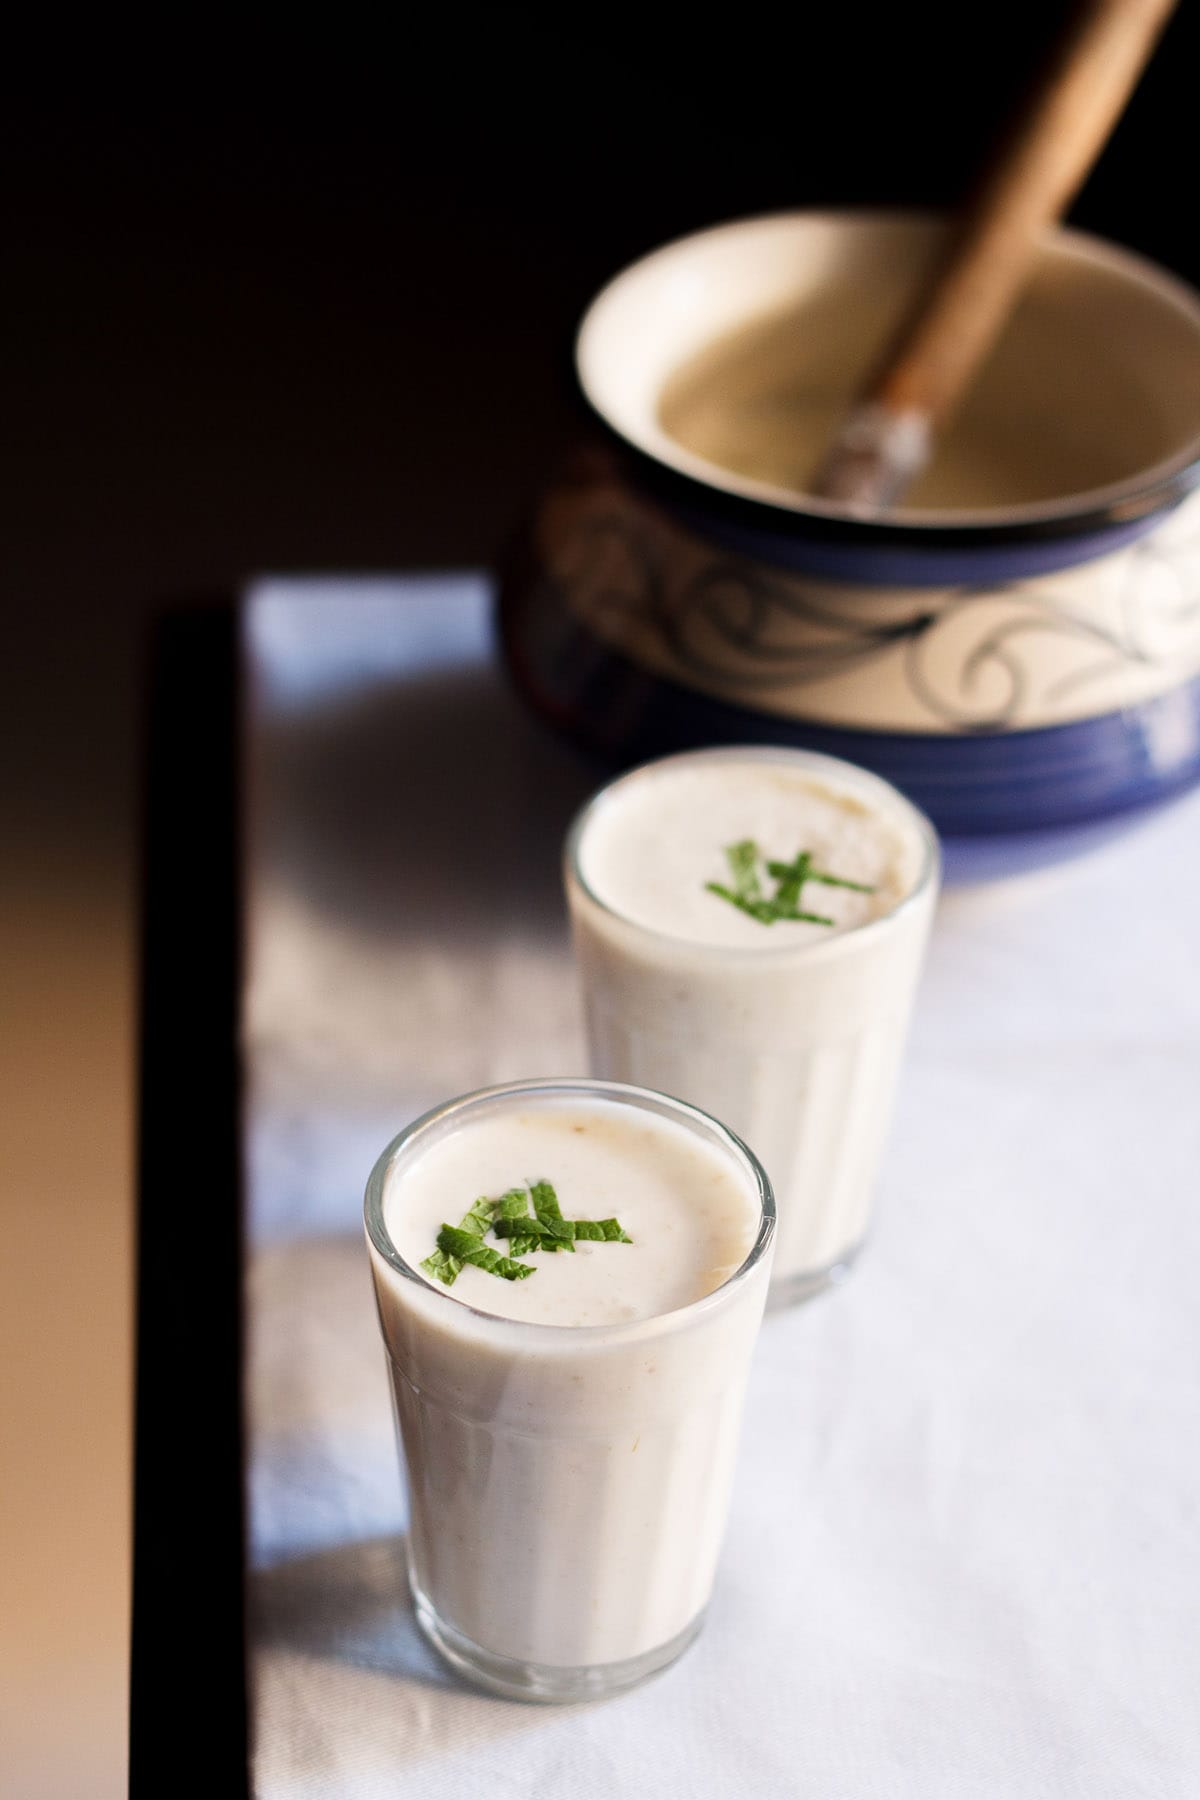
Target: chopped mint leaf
x=466, y=1247
x=860, y=887
x=762, y=910
x=545, y=1201
x=604, y=1231
x=527, y=1231
x=565, y=1235
x=476, y=1220
x=513, y=1205
x=742, y=858
x=549, y=1214
x=479, y=1217
x=442, y=1267
x=543, y=1229
x=554, y=1234
x=789, y=877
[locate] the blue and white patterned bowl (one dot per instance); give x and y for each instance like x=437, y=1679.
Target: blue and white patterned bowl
x=1026, y=670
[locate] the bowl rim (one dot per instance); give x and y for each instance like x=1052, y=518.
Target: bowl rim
x=691, y=481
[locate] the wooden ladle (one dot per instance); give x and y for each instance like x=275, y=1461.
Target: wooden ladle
x=889, y=434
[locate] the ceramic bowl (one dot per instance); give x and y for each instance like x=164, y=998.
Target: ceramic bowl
x=1017, y=649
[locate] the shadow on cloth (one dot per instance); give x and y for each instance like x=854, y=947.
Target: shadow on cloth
x=345, y=1687
x=350, y=1602
x=423, y=805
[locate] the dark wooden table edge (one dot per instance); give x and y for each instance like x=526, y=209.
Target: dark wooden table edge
x=188, y=1666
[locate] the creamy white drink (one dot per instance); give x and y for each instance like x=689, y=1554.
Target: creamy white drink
x=569, y=1432
x=749, y=925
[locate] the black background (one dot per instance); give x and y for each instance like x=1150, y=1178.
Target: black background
x=297, y=297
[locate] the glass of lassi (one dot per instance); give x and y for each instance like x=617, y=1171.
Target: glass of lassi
x=570, y=1276
x=749, y=924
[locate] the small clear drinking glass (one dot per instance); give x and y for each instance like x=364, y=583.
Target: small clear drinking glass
x=568, y=1486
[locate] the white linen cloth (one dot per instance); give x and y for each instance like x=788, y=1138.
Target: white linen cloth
x=964, y=1553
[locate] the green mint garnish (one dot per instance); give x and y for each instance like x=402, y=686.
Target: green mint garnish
x=601, y=1231
x=549, y=1215
x=746, y=891
x=571, y=1231
x=521, y=1243
x=545, y=1201
x=762, y=910
x=543, y=1229
x=860, y=887
x=560, y=1236
x=479, y=1217
x=465, y=1247
x=747, y=895
x=513, y=1205
x=444, y=1267
x=790, y=878
x=742, y=858
x=566, y=1235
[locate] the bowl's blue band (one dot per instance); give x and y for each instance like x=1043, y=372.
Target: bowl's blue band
x=978, y=783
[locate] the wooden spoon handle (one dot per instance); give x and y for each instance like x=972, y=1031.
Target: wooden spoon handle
x=1055, y=143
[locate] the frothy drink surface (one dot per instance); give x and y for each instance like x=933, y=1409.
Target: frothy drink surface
x=650, y=852
x=691, y=1220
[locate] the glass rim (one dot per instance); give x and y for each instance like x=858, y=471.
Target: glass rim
x=646, y=1099
x=842, y=940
